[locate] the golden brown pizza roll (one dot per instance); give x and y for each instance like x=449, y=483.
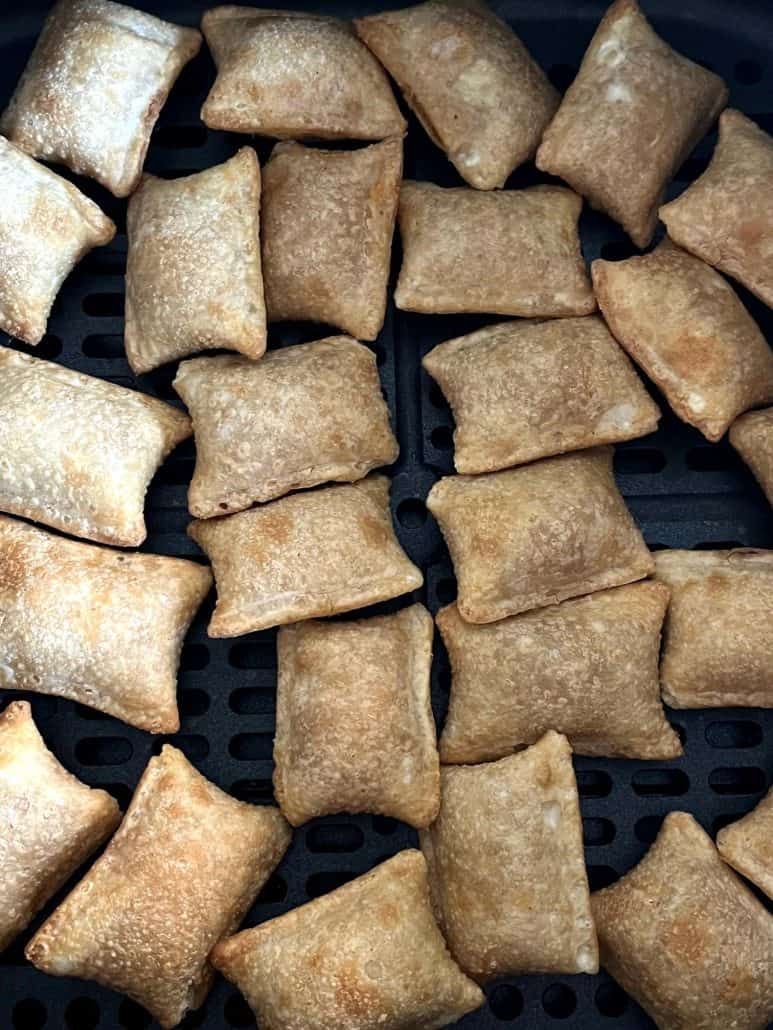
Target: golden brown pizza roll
x=685, y=938
x=530, y=389
x=683, y=323
x=586, y=667
x=506, y=865
x=628, y=121
x=293, y=75
x=95, y=625
x=46, y=226
x=747, y=845
x=302, y=416
x=531, y=263
x=184, y=867
x=193, y=276
x=752, y=437
x=726, y=216
x=354, y=726
x=719, y=629
x=367, y=956
x=327, y=224
x=532, y=536
x=470, y=80
x=94, y=86
x=78, y=453
x=305, y=555
x=50, y=822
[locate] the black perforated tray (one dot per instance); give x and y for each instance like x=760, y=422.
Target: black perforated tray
x=682, y=491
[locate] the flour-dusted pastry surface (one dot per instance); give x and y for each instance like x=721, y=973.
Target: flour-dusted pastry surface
x=470, y=80
x=354, y=725
x=46, y=226
x=506, y=865
x=295, y=75
x=630, y=118
x=301, y=416
x=726, y=216
x=95, y=625
x=515, y=252
x=684, y=324
x=719, y=629
x=93, y=88
x=686, y=938
x=752, y=437
x=327, y=223
x=533, y=536
x=747, y=844
x=530, y=389
x=50, y=822
x=586, y=667
x=303, y=556
x=367, y=956
x=193, y=271
x=184, y=867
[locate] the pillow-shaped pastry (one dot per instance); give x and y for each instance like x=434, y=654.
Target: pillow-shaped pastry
x=354, y=726
x=586, y=667
x=683, y=323
x=530, y=389
x=752, y=437
x=719, y=629
x=327, y=224
x=726, y=216
x=628, y=121
x=78, y=453
x=46, y=226
x=95, y=625
x=471, y=82
x=531, y=262
x=193, y=276
x=747, y=845
x=685, y=938
x=303, y=415
x=506, y=865
x=293, y=76
x=184, y=867
x=532, y=536
x=367, y=956
x=94, y=86
x=50, y=822
x=305, y=555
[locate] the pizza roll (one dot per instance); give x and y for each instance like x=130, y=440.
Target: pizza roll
x=630, y=118
x=193, y=276
x=50, y=822
x=184, y=867
x=78, y=453
x=586, y=667
x=685, y=938
x=305, y=555
x=683, y=323
x=719, y=629
x=94, y=86
x=752, y=437
x=46, y=226
x=726, y=216
x=354, y=726
x=471, y=82
x=531, y=262
x=506, y=865
x=367, y=956
x=95, y=625
x=303, y=415
x=530, y=389
x=747, y=845
x=532, y=536
x=293, y=75
x=328, y=219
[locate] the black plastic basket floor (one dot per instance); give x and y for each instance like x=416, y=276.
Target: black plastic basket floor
x=682, y=491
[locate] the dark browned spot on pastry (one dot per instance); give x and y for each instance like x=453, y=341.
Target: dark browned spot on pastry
x=354, y=995
x=693, y=352
x=389, y=915
x=374, y=531
x=686, y=942
x=14, y=568
x=753, y=232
